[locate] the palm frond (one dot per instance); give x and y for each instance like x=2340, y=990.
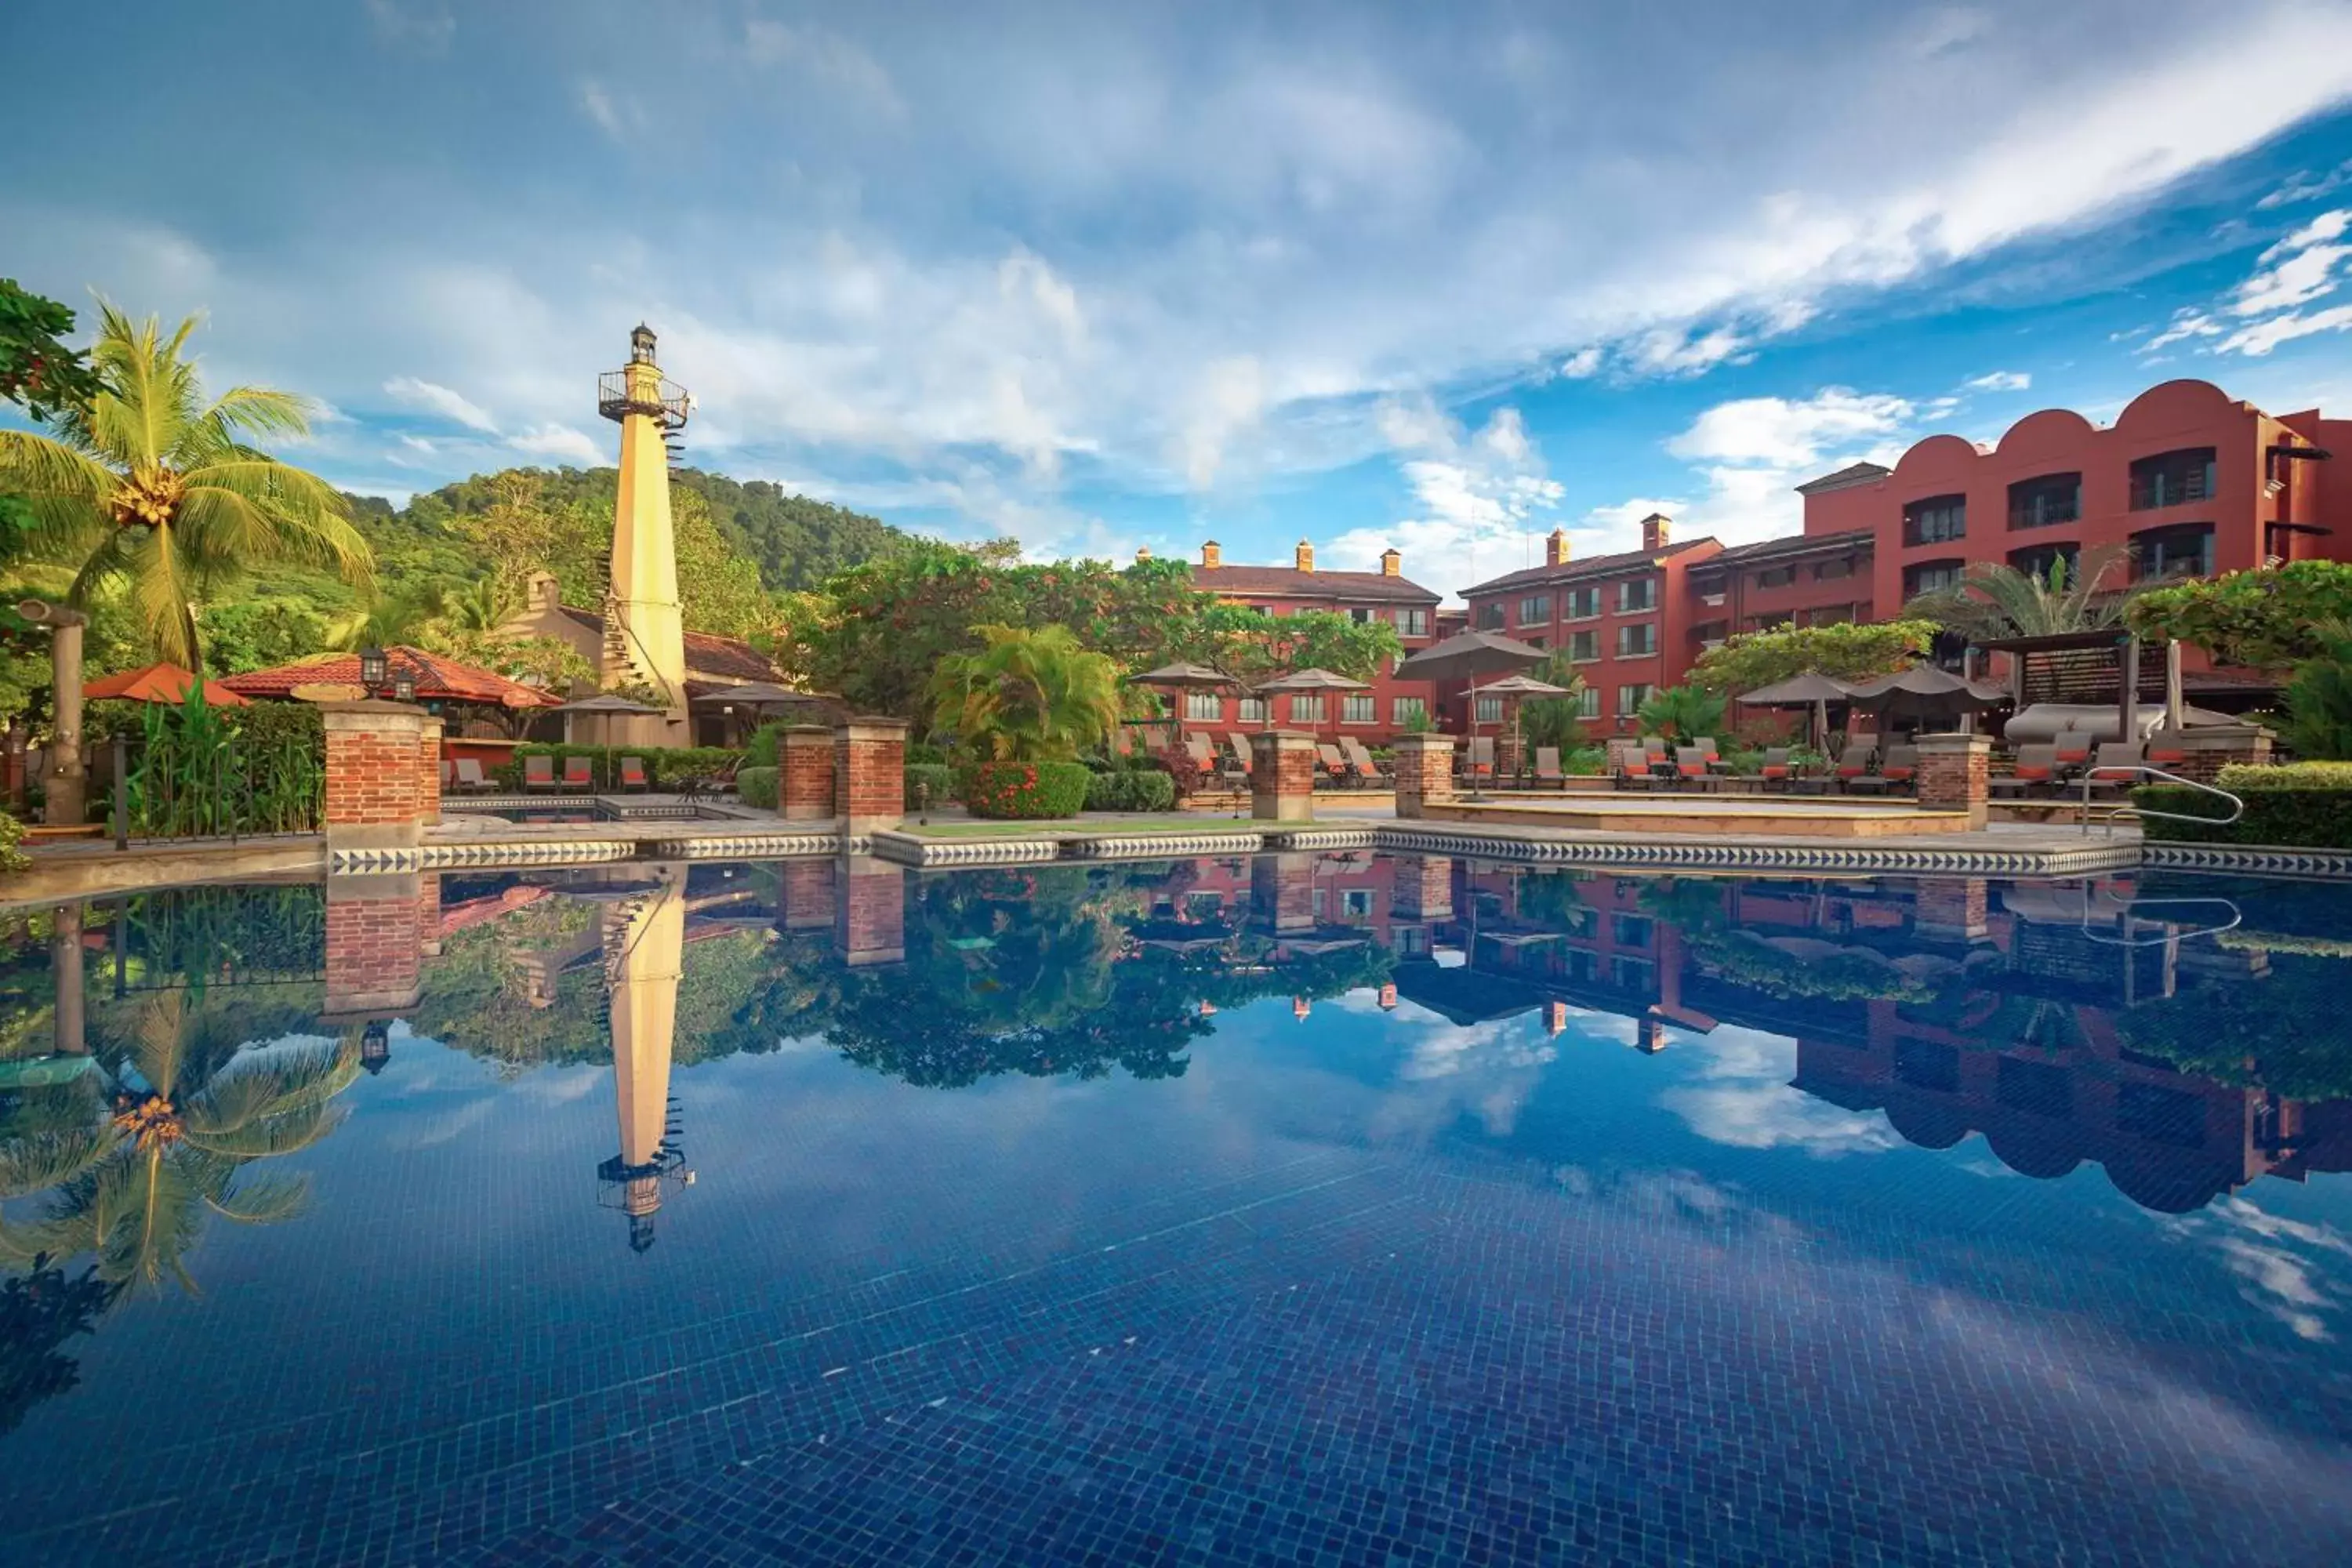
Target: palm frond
x=257, y=411
x=158, y=1039
x=160, y=593
x=254, y=1089
x=46, y=1160
x=263, y=1200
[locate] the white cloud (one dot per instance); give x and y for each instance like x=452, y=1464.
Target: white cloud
x=2264, y=336
x=617, y=116
x=1582, y=364
x=1999, y=380
x=1787, y=434
x=2292, y=1271
x=1742, y=1095
x=563, y=442
x=441, y=400
x=1475, y=494
x=2307, y=186
x=427, y=28
x=826, y=56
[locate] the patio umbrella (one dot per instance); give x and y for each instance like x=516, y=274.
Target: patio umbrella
x=1308, y=680
x=1813, y=691
x=1467, y=656
x=761, y=694
x=161, y=683
x=603, y=702
x=1519, y=689
x=1925, y=691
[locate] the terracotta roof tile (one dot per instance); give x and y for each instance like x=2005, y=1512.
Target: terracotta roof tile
x=1289, y=583
x=1592, y=566
x=438, y=678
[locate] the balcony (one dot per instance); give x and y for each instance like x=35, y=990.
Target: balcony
x=2172, y=478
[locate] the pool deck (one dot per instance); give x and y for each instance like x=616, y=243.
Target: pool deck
x=1652, y=833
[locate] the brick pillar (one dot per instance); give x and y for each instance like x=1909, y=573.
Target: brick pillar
x=371, y=796
x=869, y=764
x=1950, y=910
x=1953, y=774
x=872, y=924
x=1423, y=889
x=1282, y=776
x=1555, y=1018
x=374, y=955
x=1507, y=758
x=428, y=770
x=429, y=914
x=2212, y=747
x=808, y=896
x=805, y=767
x=1282, y=892
x=1424, y=772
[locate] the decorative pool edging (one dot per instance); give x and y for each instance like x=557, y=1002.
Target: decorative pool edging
x=909, y=849
x=1833, y=857
x=757, y=846
x=1159, y=846
x=2163, y=856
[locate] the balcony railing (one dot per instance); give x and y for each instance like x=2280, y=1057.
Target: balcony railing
x=2153, y=490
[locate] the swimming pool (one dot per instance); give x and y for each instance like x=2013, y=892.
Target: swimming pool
x=1304, y=1208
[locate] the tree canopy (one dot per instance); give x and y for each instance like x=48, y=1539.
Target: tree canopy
x=2275, y=616
x=1849, y=652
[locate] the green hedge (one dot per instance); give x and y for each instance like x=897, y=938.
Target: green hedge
x=758, y=786
x=939, y=775
x=11, y=833
x=665, y=766
x=1133, y=789
x=2303, y=805
x=766, y=741
x=1028, y=790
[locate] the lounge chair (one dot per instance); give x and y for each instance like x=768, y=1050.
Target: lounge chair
x=2072, y=748
x=1367, y=767
x=2167, y=749
x=2036, y=768
x=1858, y=763
x=1334, y=766
x=1237, y=754
x=1714, y=753
x=1775, y=768
x=467, y=774
x=538, y=772
x=1629, y=765
x=1901, y=766
x=1690, y=766
x=579, y=774
x=2124, y=757
x=1201, y=754
x=633, y=775
x=1548, y=769
x=1478, y=766
x=449, y=772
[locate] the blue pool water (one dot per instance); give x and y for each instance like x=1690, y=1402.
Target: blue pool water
x=1335, y=1209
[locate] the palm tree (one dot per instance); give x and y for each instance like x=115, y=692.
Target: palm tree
x=1999, y=601
x=1683, y=713
x=190, y=1113
x=1026, y=696
x=152, y=487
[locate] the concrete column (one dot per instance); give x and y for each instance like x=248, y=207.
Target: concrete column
x=2212, y=747
x=1424, y=772
x=68, y=1038
x=1506, y=757
x=375, y=949
x=1950, y=908
x=373, y=801
x=1423, y=889
x=428, y=770
x=64, y=784
x=1282, y=892
x=1282, y=776
x=869, y=770
x=1953, y=774
x=872, y=924
x=804, y=775
x=808, y=899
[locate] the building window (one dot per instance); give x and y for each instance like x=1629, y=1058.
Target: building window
x=1932, y=576
x=1490, y=710
x=2186, y=550
x=1642, y=593
x=1357, y=709
x=1535, y=610
x=1778, y=621
x=1630, y=930
x=1361, y=616
x=1407, y=711
x=1630, y=700
x=1830, y=615
x=1251, y=710
x=2172, y=478
x=1583, y=646
x=1412, y=623
x=1356, y=903
x=1630, y=974
x=1204, y=706
x=1580, y=603
x=2040, y=502
x=1306, y=707
x=1587, y=702
x=1830, y=571
x=1637, y=642
x=2036, y=560
x=1776, y=576
x=1488, y=618
x=1936, y=519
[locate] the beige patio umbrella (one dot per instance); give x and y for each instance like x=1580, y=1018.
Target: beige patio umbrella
x=1309, y=679
x=1515, y=690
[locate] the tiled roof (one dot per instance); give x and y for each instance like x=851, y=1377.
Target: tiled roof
x=1591, y=566
x=1846, y=478
x=705, y=653
x=438, y=678
x=1794, y=544
x=1289, y=583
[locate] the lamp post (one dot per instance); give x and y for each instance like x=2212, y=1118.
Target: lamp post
x=372, y=668
x=66, y=778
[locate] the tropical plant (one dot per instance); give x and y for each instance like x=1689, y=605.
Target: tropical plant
x=1683, y=713
x=1996, y=600
x=1026, y=696
x=190, y=1113
x=1554, y=721
x=199, y=771
x=2318, y=719
x=1853, y=651
x=12, y=832
x=39, y=375
x=2275, y=616
x=152, y=487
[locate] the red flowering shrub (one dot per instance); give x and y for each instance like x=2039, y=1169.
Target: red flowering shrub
x=1028, y=790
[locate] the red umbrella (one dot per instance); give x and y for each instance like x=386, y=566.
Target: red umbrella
x=163, y=683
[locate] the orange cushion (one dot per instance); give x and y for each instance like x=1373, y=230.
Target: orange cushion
x=1899, y=773
x=2031, y=772
x=1775, y=771
x=1694, y=770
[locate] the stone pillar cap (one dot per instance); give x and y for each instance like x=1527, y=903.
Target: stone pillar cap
x=1952, y=741
x=1424, y=740
x=1280, y=737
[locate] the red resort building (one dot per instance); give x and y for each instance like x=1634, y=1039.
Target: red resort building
x=2187, y=482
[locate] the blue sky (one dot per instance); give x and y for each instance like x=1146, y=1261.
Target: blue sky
x=1100, y=276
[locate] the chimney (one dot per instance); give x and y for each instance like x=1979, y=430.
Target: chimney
x=1211, y=556
x=1142, y=554
x=543, y=591
x=1391, y=562
x=1389, y=997
x=1555, y=1018
x=1656, y=528
x=1556, y=548
x=1304, y=557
